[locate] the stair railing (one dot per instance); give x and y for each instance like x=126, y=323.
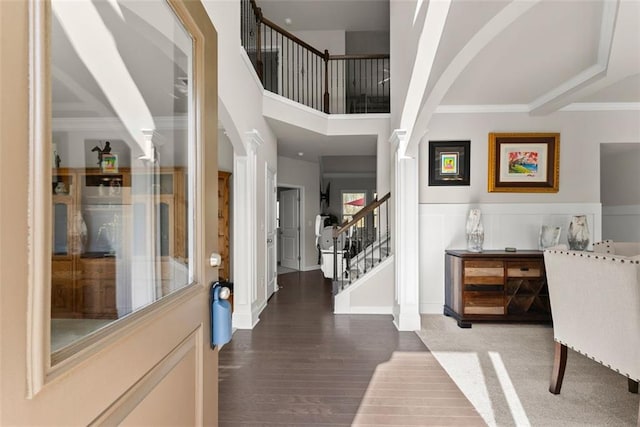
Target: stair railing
x=290, y=67
x=366, y=240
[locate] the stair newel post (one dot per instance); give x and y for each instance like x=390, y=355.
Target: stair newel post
x=326, y=81
x=259, y=63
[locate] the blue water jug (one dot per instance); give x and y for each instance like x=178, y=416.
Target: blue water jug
x=220, y=314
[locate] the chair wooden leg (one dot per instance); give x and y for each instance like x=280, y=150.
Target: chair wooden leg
x=633, y=386
x=559, y=363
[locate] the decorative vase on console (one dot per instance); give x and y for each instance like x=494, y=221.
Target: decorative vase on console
x=578, y=235
x=475, y=231
x=549, y=237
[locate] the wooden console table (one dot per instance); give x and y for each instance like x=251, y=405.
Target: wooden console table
x=496, y=286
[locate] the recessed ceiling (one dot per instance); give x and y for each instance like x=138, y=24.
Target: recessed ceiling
x=293, y=139
x=548, y=45
x=324, y=15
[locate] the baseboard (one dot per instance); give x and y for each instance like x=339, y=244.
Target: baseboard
x=431, y=308
x=311, y=267
x=371, y=310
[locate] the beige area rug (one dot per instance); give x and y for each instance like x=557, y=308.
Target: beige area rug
x=504, y=370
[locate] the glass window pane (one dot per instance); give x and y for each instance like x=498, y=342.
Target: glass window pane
x=122, y=146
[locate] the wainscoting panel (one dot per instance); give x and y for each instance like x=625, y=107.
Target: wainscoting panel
x=442, y=226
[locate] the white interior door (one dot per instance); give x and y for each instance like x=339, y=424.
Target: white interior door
x=271, y=231
x=290, y=228
x=147, y=365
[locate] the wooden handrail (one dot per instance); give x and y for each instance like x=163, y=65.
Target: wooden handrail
x=308, y=78
x=361, y=214
x=286, y=33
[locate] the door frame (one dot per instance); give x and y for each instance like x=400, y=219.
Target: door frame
x=27, y=368
x=301, y=217
x=271, y=198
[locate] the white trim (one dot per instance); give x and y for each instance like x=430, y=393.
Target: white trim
x=311, y=267
x=602, y=106
x=406, y=222
x=487, y=108
x=371, y=310
x=562, y=95
x=524, y=108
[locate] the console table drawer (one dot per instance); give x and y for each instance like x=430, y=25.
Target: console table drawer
x=483, y=303
x=525, y=269
x=483, y=272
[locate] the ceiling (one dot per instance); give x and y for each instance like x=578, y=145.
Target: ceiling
x=324, y=15
x=554, y=54
x=293, y=140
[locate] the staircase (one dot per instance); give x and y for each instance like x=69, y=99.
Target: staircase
x=367, y=245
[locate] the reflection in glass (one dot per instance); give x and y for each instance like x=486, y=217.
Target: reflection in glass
x=121, y=92
x=60, y=220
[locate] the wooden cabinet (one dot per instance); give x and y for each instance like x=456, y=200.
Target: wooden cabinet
x=224, y=272
x=95, y=242
x=496, y=286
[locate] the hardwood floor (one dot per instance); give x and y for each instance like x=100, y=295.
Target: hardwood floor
x=302, y=365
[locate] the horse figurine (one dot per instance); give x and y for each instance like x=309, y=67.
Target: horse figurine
x=101, y=151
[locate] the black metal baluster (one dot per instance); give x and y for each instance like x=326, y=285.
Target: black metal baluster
x=386, y=203
x=379, y=235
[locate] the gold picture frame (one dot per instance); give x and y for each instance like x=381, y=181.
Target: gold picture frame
x=524, y=162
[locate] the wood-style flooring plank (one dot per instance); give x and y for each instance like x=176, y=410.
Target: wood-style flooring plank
x=304, y=366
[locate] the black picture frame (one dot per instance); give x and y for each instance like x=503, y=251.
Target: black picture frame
x=449, y=163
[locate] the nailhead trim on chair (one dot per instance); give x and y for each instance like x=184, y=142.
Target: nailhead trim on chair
x=607, y=243
x=597, y=361
x=613, y=258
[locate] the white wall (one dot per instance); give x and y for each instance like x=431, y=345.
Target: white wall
x=333, y=41
x=512, y=219
x=581, y=134
x=620, y=191
x=366, y=42
x=240, y=111
x=304, y=175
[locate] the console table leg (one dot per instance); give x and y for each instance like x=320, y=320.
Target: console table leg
x=463, y=324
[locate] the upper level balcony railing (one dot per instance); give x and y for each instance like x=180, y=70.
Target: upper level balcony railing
x=286, y=65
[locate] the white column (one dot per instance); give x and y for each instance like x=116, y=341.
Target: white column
x=406, y=315
x=245, y=230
